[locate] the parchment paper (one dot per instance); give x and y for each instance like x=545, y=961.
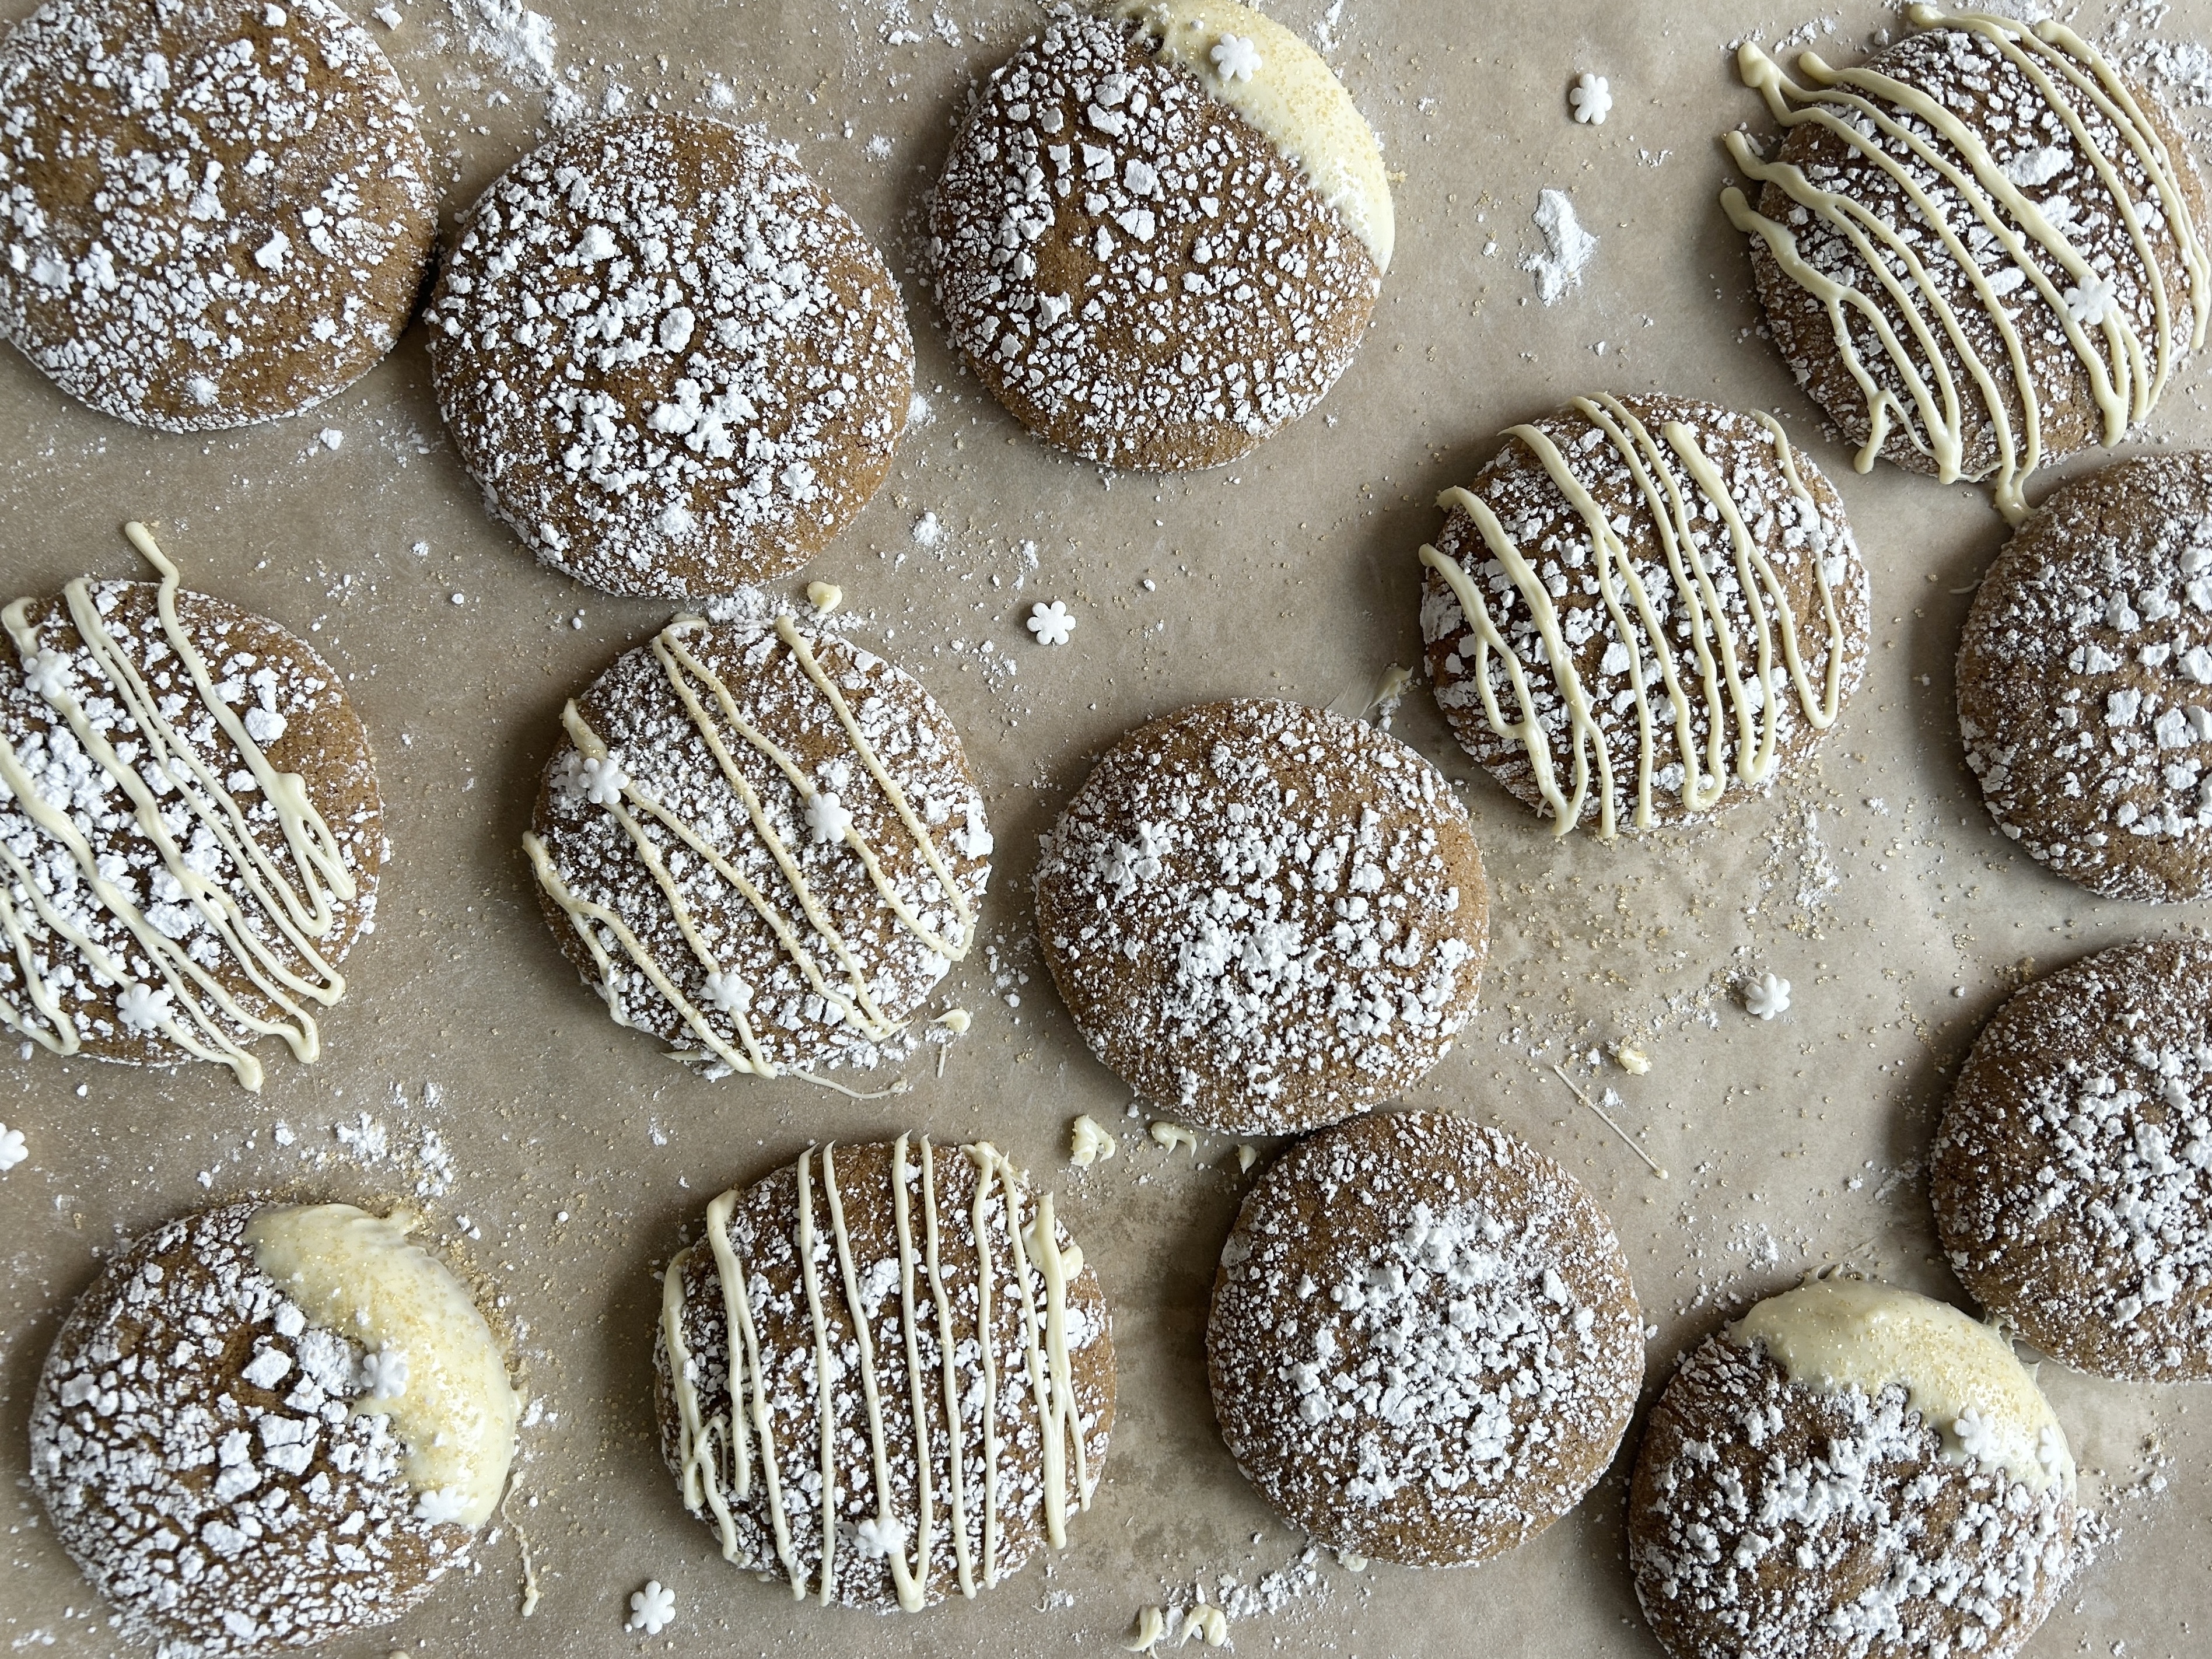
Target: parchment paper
x=563, y=1158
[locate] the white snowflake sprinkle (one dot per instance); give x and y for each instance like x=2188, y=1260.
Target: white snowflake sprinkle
x=726, y=994
x=1234, y=58
x=1051, y=623
x=827, y=820
x=2091, y=302
x=603, y=781
x=881, y=1536
x=12, y=1149
x=1976, y=1438
x=384, y=1373
x=144, y=1007
x=442, y=1506
x=1766, y=996
x=1592, y=98
x=651, y=1608
x=48, y=675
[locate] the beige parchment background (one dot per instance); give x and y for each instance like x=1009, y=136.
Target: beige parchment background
x=469, y=1073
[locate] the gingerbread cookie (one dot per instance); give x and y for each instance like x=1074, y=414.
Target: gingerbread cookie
x=973, y=1357
x=1644, y=609
x=2072, y=1175
x=215, y=211
x=268, y=1425
x=1424, y=1344
x=1850, y=1472
x=1264, y=916
x=1981, y=252
x=760, y=844
x=190, y=828
x=2085, y=681
x=1161, y=232
x=674, y=365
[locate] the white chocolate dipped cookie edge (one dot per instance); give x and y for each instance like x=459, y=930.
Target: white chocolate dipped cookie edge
x=1961, y=1376
x=360, y=1275
x=1286, y=89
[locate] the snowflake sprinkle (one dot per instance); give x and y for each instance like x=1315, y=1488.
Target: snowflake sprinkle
x=1592, y=98
x=48, y=675
x=1051, y=623
x=1234, y=58
x=144, y=1007
x=1976, y=1438
x=603, y=781
x=1766, y=996
x=881, y=1536
x=726, y=994
x=444, y=1504
x=383, y=1374
x=12, y=1149
x=651, y=1608
x=827, y=820
x=2091, y=302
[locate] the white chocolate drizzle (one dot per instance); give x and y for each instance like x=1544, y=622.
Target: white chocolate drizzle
x=188, y=1004
x=1722, y=687
x=842, y=982
x=710, y=1479
x=2126, y=373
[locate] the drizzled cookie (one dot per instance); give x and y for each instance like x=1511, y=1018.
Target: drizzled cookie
x=969, y=1355
x=760, y=844
x=1981, y=250
x=1644, y=609
x=190, y=828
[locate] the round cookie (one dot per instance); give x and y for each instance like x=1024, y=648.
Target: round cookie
x=2085, y=681
x=1160, y=232
x=760, y=844
x=1645, y=608
x=1264, y=916
x=214, y=211
x=973, y=1355
x=674, y=366
x=2072, y=1174
x=267, y=1426
x=1424, y=1344
x=1980, y=252
x=190, y=828
x=1850, y=1472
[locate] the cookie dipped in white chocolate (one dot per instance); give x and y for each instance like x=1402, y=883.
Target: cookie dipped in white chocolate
x=1959, y=1375
x=432, y=1363
x=1284, y=88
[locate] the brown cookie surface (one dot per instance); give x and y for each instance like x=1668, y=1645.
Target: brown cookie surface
x=2072, y=1174
x=760, y=844
x=674, y=366
x=1424, y=1344
x=1771, y=1520
x=1263, y=916
x=215, y=211
x=974, y=1365
x=2085, y=681
x=186, y=858
x=1135, y=270
x=1645, y=608
x=195, y=1440
x=1978, y=252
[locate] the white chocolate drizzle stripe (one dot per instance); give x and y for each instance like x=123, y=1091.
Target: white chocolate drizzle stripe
x=1045, y=1359
x=300, y=915
x=858, y=1007
x=2124, y=385
x=1757, y=723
